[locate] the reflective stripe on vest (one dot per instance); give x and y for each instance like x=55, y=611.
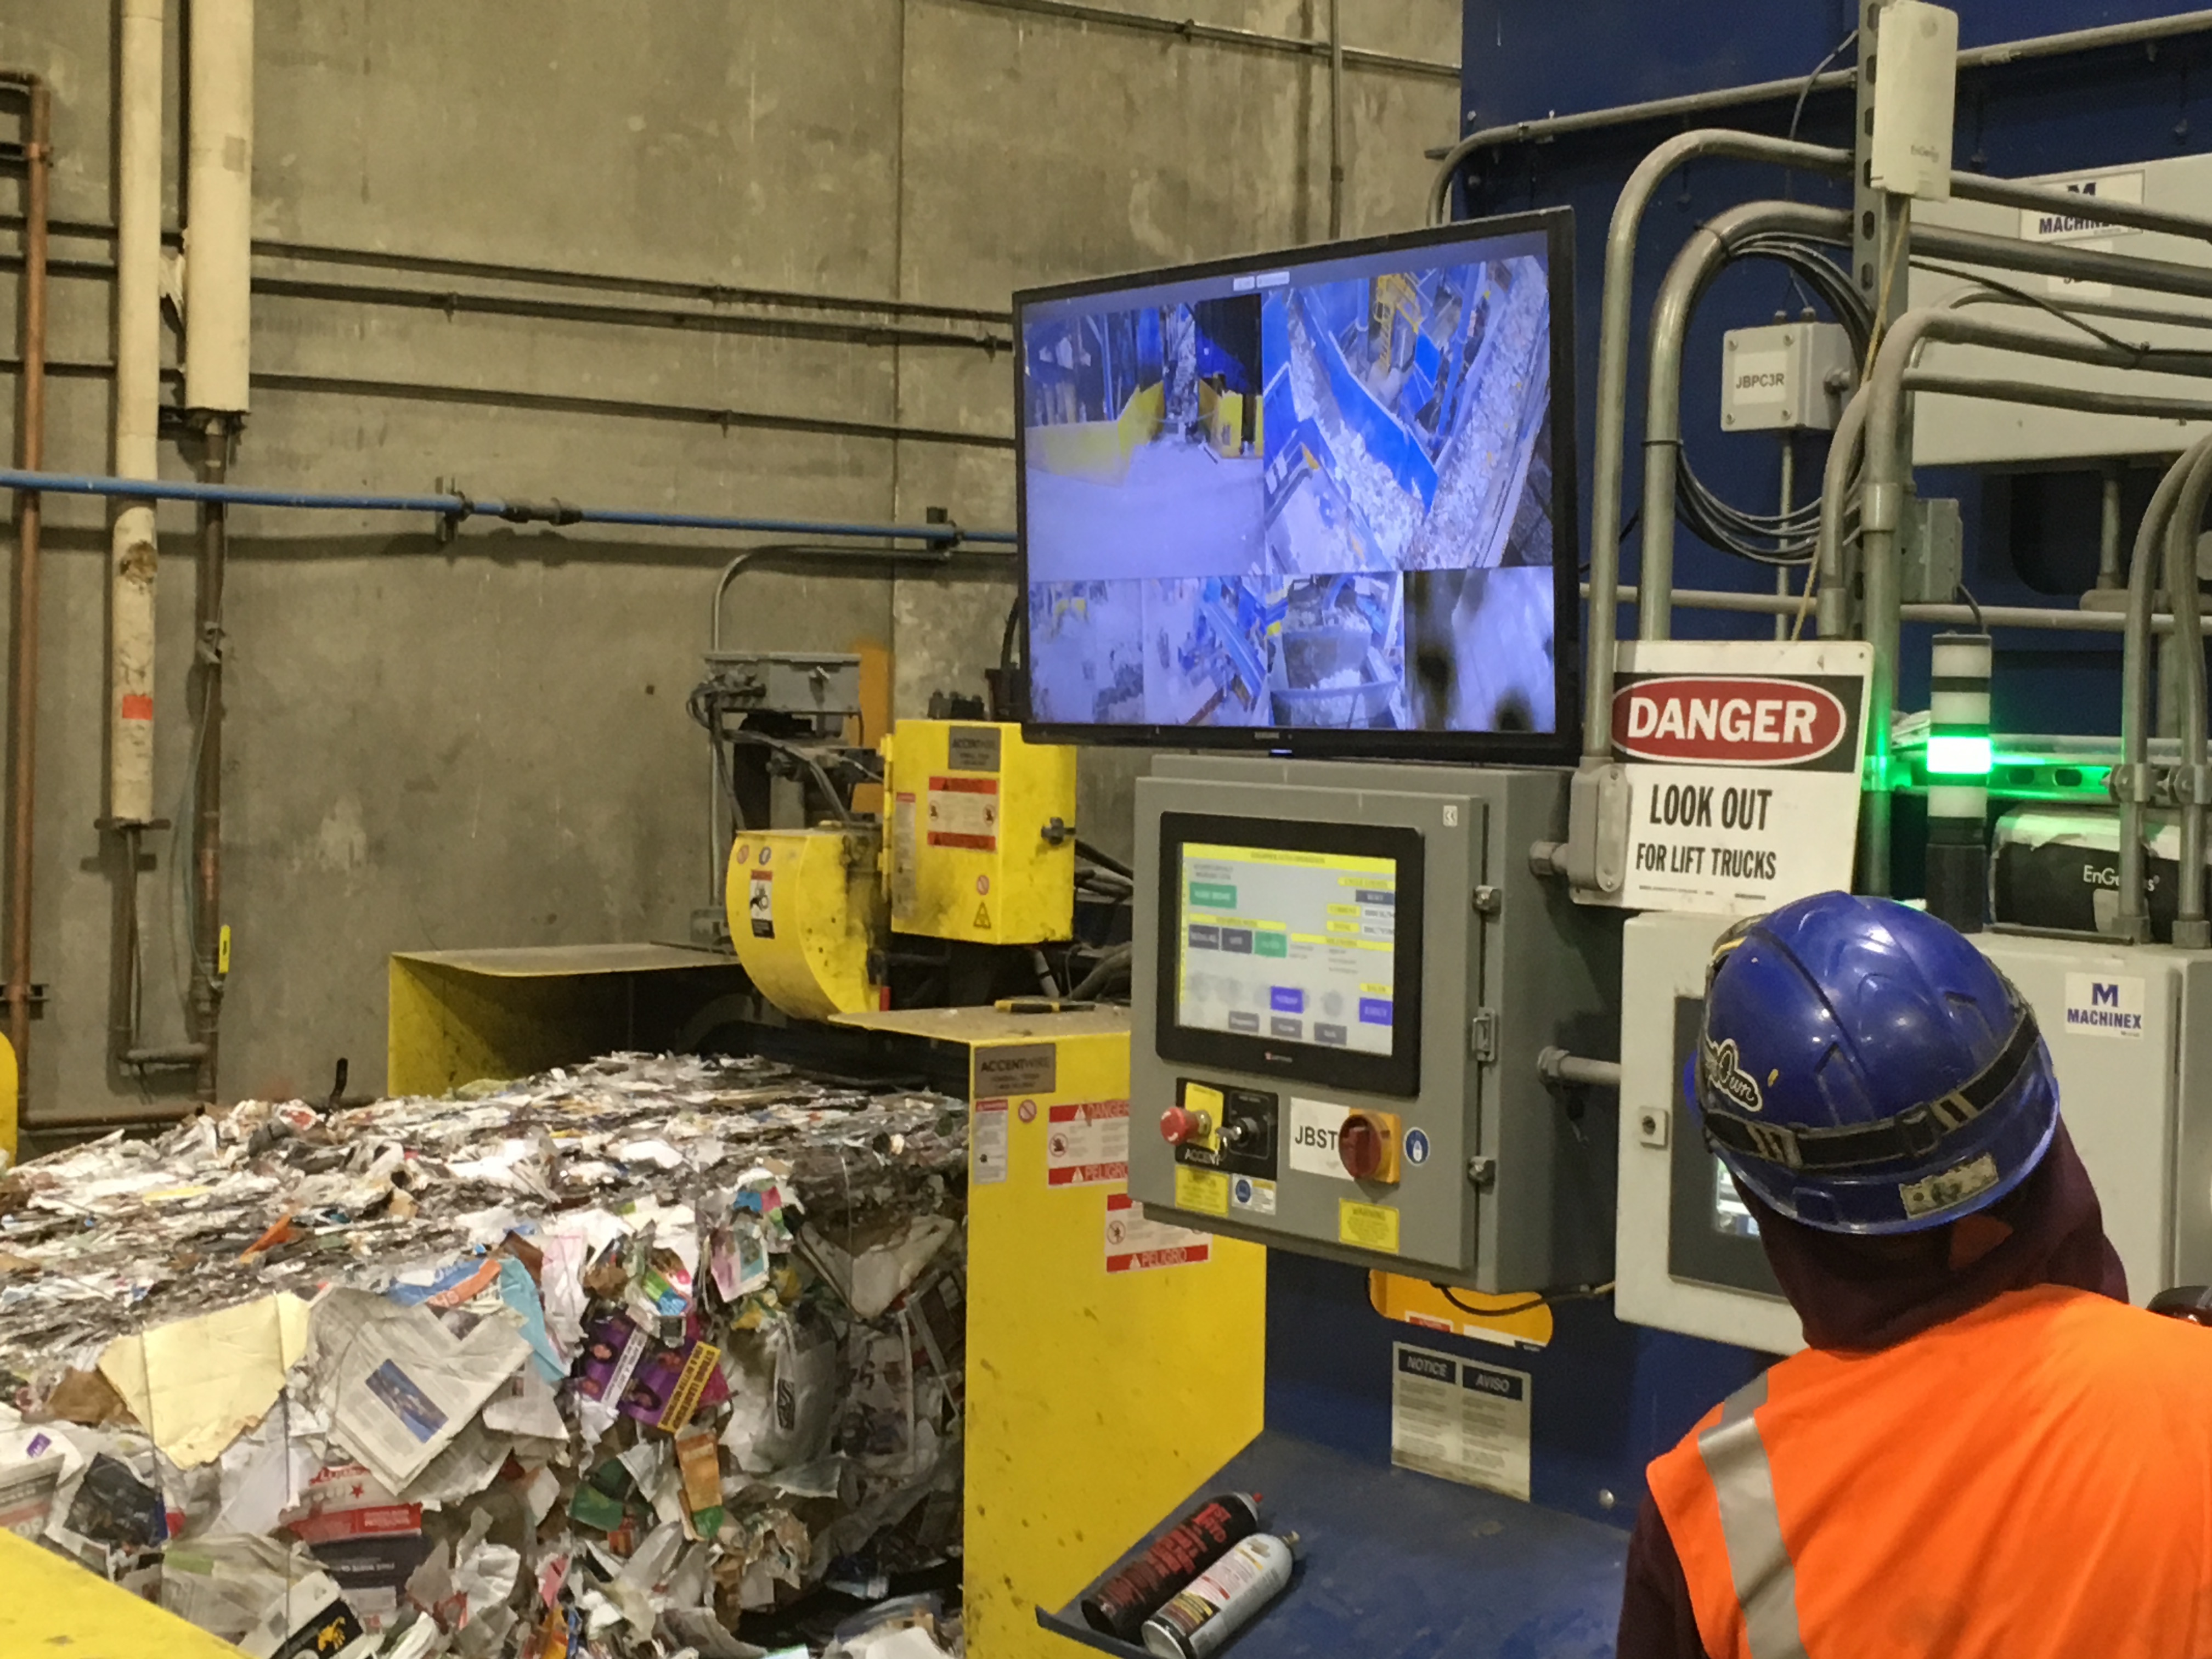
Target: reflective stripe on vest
x=1759, y=1561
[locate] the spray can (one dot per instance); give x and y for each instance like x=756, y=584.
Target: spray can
x=1121, y=1605
x=1223, y=1598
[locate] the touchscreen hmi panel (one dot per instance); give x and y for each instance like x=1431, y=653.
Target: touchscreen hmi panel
x=1288, y=945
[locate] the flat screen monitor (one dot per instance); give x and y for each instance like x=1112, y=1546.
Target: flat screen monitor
x=1320, y=502
x=1292, y=948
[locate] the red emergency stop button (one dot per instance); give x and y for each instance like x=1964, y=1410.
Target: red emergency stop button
x=1368, y=1145
x=1179, y=1128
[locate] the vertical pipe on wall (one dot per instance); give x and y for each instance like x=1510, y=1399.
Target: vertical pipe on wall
x=134, y=552
x=218, y=282
x=1335, y=121
x=23, y=689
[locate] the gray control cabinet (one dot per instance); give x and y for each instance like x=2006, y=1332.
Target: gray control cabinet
x=1514, y=1185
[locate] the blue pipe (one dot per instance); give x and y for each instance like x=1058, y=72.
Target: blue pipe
x=463, y=507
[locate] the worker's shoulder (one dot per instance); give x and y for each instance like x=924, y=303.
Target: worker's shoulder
x=2126, y=1345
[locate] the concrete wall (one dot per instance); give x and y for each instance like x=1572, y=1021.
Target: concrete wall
x=485, y=743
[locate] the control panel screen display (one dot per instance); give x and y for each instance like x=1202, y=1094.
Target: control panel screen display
x=1288, y=945
x=1315, y=496
x=1731, y=1214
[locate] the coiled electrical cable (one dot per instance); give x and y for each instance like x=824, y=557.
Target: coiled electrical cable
x=1772, y=538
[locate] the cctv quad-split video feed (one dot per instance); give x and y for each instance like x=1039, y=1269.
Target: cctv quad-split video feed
x=1316, y=494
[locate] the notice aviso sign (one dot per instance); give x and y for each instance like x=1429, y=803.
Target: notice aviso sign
x=1743, y=762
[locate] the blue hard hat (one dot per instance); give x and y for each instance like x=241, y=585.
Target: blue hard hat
x=1862, y=1068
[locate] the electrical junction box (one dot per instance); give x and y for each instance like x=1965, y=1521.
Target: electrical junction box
x=1785, y=377
x=982, y=842
x=1917, y=50
x=1974, y=431
x=2129, y=1030
x=1343, y=974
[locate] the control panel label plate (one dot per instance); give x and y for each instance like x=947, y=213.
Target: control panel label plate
x=1367, y=1226
x=1205, y=1191
x=1314, y=1126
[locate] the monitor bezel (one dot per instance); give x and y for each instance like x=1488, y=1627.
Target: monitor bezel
x=1564, y=742
x=1398, y=1073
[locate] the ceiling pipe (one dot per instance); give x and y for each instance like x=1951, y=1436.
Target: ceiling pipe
x=23, y=684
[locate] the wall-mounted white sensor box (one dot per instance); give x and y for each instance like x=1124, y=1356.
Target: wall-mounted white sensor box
x=1784, y=377
x=1915, y=88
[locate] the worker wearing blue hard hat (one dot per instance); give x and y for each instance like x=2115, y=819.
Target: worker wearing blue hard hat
x=1983, y=1451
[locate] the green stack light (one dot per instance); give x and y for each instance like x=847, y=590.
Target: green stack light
x=1959, y=761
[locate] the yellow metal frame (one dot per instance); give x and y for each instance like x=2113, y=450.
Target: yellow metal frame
x=459, y=1015
x=1019, y=891
x=1096, y=1400
x=49, y=1605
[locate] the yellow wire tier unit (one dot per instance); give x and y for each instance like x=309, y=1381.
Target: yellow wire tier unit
x=1112, y=1362
x=981, y=845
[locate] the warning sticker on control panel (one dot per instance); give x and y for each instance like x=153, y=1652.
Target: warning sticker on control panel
x=1135, y=1241
x=988, y=1143
x=1459, y=1419
x=1086, y=1144
x=2105, y=1006
x=760, y=904
x=965, y=812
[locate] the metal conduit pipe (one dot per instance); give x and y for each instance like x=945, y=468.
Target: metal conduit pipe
x=1830, y=575
x=1709, y=248
x=456, y=507
x=1557, y=1066
x=2063, y=259
x=2042, y=618
x=23, y=681
x=2134, y=781
x=1613, y=324
x=1760, y=92
x=930, y=554
x=2190, y=932
x=1887, y=477
x=2059, y=397
x=1190, y=30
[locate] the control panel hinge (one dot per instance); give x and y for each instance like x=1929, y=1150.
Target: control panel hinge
x=1482, y=1035
x=1486, y=901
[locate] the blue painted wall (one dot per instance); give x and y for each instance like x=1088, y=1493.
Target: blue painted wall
x=1606, y=1398
x=1529, y=59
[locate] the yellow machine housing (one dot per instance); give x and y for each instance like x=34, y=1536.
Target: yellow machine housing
x=1113, y=1362
x=982, y=842
x=806, y=912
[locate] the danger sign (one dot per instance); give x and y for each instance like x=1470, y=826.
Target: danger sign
x=1743, y=762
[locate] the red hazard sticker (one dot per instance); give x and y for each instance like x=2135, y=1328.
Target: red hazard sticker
x=1135, y=1242
x=1087, y=1145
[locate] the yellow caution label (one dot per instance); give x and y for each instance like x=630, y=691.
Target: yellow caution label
x=1206, y=1191
x=222, y=950
x=1197, y=1097
x=982, y=915
x=1369, y=1226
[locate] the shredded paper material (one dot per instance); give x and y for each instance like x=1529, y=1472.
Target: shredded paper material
x=613, y=1362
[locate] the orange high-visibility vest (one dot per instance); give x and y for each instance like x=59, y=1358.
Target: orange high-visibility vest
x=2031, y=1480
